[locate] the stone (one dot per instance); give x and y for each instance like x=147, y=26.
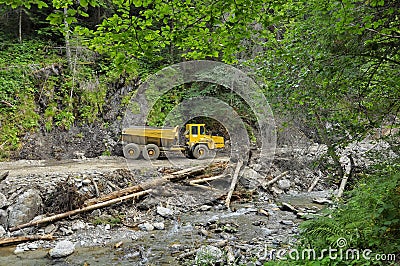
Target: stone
x=288, y=207
x=66, y=231
x=49, y=229
x=164, y=212
x=276, y=190
x=62, y=249
x=19, y=249
x=3, y=217
x=322, y=201
x=205, y=207
x=287, y=222
x=250, y=178
x=3, y=201
x=146, y=227
x=268, y=232
x=33, y=246
x=2, y=231
x=208, y=255
x=96, y=213
x=284, y=184
x=159, y=226
x=26, y=207
x=87, y=182
x=78, y=225
x=256, y=166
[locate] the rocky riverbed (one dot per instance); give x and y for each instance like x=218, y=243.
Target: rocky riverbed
x=153, y=229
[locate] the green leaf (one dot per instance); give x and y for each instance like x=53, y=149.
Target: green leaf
x=83, y=3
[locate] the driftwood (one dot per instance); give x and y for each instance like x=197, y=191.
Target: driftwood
x=96, y=187
x=233, y=183
x=203, y=180
x=346, y=177
x=77, y=211
x=20, y=239
x=150, y=184
x=120, y=195
x=314, y=182
x=269, y=183
x=342, y=186
x=204, y=187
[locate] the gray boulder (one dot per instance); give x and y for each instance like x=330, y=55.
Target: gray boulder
x=164, y=212
x=3, y=201
x=284, y=184
x=3, y=217
x=62, y=249
x=26, y=207
x=250, y=178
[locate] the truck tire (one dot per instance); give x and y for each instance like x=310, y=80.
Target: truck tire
x=151, y=152
x=200, y=151
x=131, y=151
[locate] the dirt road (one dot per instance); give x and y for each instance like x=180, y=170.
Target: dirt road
x=103, y=163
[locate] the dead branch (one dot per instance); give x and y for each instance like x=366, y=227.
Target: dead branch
x=342, y=186
x=80, y=210
x=7, y=103
x=233, y=184
x=269, y=183
x=152, y=183
x=96, y=188
x=204, y=187
x=314, y=182
x=203, y=180
x=20, y=239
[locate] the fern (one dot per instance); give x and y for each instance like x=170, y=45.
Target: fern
x=369, y=219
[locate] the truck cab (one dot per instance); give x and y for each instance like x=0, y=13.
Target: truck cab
x=199, y=143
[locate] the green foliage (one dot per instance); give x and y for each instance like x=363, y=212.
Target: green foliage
x=24, y=3
x=330, y=69
x=370, y=219
x=107, y=220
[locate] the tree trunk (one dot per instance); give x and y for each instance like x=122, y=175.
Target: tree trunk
x=67, y=39
x=20, y=26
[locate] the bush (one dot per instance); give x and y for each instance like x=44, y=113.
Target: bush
x=370, y=219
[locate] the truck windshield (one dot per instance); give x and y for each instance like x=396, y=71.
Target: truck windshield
x=194, y=130
x=202, y=131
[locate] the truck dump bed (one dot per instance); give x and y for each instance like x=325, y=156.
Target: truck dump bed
x=144, y=135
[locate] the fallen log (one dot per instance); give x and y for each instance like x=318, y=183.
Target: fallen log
x=77, y=211
x=269, y=183
x=342, y=186
x=152, y=183
x=314, y=182
x=233, y=183
x=21, y=239
x=120, y=195
x=203, y=180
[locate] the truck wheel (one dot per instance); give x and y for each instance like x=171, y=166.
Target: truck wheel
x=151, y=152
x=200, y=151
x=131, y=151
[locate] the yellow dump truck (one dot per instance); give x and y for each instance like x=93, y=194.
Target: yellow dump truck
x=152, y=142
